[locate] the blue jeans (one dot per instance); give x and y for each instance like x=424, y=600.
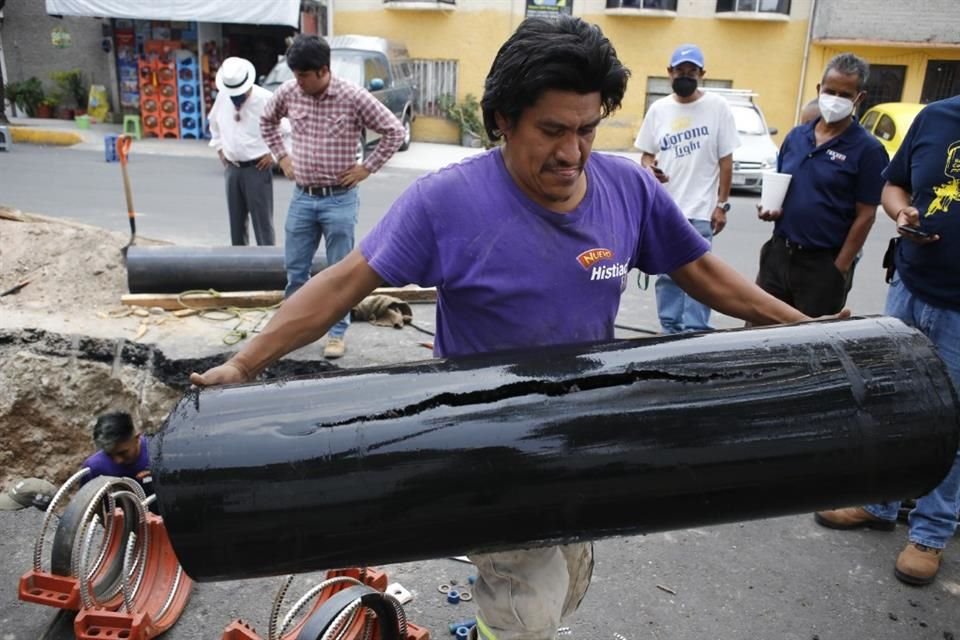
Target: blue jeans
x=934, y=519
x=308, y=218
x=679, y=312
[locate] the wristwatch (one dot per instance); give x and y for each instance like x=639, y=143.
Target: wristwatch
x=723, y=205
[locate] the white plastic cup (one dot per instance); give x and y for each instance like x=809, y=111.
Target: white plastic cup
x=774, y=190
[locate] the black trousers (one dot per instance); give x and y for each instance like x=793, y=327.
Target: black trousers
x=803, y=278
x=250, y=191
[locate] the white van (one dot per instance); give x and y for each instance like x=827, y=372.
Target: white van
x=757, y=152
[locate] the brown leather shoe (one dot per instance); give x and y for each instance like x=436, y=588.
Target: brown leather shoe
x=918, y=564
x=852, y=518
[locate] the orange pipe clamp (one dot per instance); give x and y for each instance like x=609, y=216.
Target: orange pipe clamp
x=374, y=578
x=153, y=607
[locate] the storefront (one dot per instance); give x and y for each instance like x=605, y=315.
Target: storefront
x=167, y=54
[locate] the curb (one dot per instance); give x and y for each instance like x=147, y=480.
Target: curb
x=31, y=135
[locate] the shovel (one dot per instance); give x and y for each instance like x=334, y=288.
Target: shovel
x=123, y=150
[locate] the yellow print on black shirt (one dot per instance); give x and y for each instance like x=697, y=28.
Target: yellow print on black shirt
x=948, y=192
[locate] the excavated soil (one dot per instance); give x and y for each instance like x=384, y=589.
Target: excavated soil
x=70, y=351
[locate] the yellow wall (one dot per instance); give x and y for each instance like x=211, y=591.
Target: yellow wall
x=761, y=55
x=472, y=37
x=915, y=59
x=764, y=56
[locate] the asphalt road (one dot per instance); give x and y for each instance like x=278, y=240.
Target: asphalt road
x=783, y=578
x=176, y=198
x=181, y=199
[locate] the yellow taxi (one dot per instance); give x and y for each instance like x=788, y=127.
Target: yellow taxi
x=889, y=122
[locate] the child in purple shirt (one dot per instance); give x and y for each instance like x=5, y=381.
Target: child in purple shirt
x=123, y=452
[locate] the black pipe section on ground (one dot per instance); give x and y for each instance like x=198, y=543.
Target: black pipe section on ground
x=172, y=269
x=519, y=449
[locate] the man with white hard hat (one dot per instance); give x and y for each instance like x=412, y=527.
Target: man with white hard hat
x=235, y=134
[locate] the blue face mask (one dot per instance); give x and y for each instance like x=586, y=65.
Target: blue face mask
x=238, y=100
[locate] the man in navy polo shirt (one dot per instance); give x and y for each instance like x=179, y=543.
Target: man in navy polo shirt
x=832, y=200
x=922, y=194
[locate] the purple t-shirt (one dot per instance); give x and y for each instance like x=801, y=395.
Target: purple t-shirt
x=100, y=464
x=512, y=274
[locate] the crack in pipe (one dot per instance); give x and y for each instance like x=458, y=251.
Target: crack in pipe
x=527, y=388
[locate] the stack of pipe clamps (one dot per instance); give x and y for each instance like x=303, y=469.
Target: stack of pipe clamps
x=110, y=560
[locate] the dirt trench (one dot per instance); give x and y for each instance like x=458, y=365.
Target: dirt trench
x=53, y=386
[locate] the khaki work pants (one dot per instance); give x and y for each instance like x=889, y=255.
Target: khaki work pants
x=524, y=594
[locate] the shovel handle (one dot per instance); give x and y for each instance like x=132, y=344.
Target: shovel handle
x=123, y=150
x=124, y=143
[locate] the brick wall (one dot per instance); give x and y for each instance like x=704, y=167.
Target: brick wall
x=29, y=51
x=920, y=21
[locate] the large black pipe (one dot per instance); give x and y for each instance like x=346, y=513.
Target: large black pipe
x=172, y=269
x=441, y=458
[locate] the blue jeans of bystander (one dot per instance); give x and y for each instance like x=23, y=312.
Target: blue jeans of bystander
x=308, y=219
x=679, y=312
x=934, y=519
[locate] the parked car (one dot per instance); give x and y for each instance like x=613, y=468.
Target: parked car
x=381, y=66
x=757, y=152
x=889, y=122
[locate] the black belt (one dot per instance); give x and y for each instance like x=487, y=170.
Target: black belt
x=243, y=164
x=795, y=246
x=318, y=191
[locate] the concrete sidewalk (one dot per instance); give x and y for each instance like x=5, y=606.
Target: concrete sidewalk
x=421, y=156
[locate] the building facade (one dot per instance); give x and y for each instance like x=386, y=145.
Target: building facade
x=775, y=48
x=913, y=46
x=748, y=44
x=36, y=44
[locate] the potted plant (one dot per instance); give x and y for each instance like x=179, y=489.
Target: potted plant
x=73, y=89
x=466, y=115
x=26, y=95
x=47, y=106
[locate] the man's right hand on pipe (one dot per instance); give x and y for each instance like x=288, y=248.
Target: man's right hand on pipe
x=227, y=373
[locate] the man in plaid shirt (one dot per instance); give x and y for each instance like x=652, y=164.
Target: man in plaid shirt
x=327, y=115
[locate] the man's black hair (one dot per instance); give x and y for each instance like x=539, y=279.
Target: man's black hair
x=308, y=53
x=566, y=54
x=112, y=429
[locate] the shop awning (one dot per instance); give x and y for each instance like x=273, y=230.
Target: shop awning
x=285, y=12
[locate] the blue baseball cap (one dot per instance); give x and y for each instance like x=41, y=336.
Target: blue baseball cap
x=687, y=53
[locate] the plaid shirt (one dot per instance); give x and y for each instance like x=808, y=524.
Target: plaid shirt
x=326, y=129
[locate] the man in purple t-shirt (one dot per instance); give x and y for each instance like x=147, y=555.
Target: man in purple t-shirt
x=123, y=452
x=528, y=245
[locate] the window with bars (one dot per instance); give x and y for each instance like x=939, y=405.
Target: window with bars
x=754, y=6
x=942, y=80
x=665, y=5
x=434, y=79
x=885, y=84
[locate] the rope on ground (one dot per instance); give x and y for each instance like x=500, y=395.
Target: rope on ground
x=253, y=317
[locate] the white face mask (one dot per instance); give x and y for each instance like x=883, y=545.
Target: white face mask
x=834, y=108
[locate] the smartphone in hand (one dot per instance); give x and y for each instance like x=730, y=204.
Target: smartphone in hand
x=914, y=231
